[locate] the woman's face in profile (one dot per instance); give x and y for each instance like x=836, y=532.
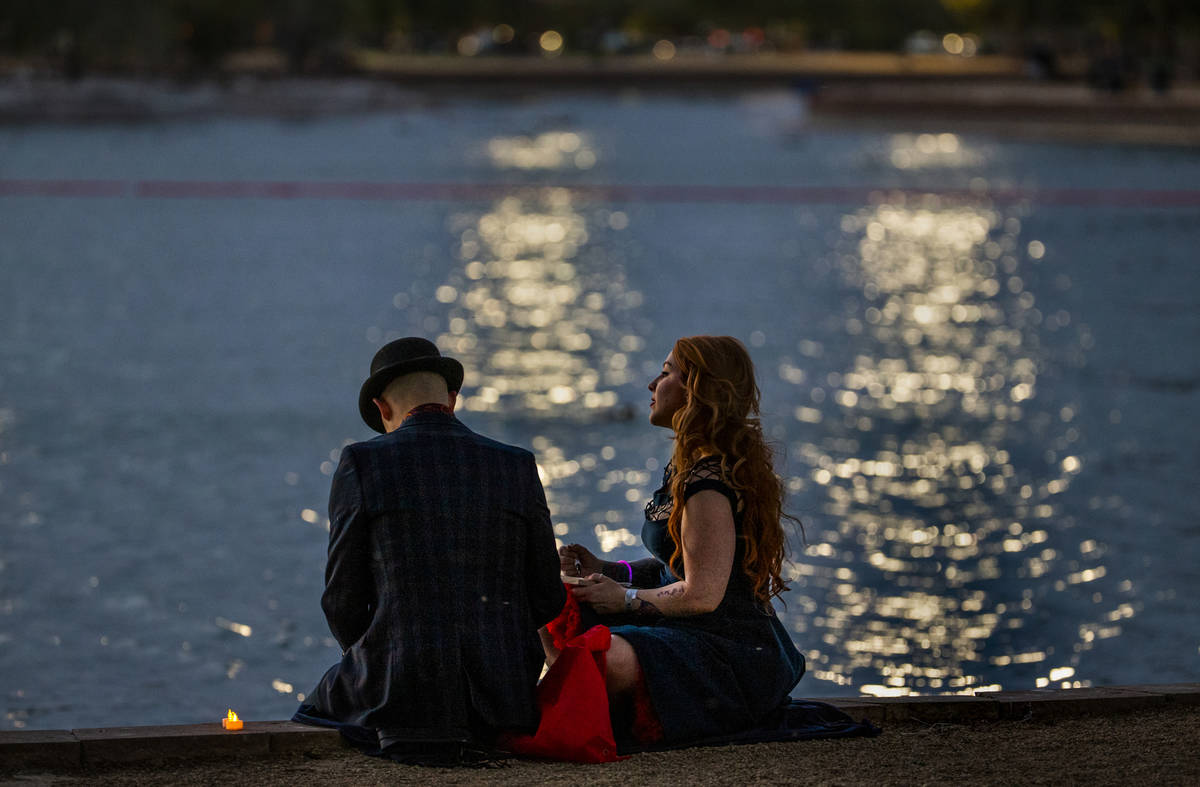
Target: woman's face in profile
x=667, y=394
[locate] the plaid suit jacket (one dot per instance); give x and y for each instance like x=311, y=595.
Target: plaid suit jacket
x=442, y=566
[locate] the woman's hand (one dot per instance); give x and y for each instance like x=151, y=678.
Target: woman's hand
x=572, y=554
x=606, y=596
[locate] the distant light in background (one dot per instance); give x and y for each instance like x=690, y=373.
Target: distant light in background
x=929, y=151
x=551, y=43
x=964, y=45
x=503, y=34
x=469, y=45
x=753, y=38
x=663, y=50
x=719, y=39
x=549, y=150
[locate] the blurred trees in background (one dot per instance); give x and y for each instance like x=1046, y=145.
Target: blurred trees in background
x=193, y=36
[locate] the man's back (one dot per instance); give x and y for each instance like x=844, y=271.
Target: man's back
x=442, y=566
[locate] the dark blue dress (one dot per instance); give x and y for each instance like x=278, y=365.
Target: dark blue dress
x=723, y=671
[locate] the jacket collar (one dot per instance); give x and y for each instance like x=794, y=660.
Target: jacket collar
x=429, y=407
x=429, y=414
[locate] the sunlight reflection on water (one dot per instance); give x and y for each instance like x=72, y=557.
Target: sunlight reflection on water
x=537, y=318
x=934, y=520
x=533, y=328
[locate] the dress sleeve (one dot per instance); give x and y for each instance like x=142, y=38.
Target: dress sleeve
x=706, y=474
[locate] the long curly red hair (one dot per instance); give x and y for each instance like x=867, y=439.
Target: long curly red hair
x=720, y=417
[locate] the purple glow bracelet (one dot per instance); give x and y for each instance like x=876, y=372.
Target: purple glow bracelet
x=626, y=564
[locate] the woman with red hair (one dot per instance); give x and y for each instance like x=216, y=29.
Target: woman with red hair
x=695, y=640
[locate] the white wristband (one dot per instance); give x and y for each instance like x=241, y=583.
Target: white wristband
x=630, y=595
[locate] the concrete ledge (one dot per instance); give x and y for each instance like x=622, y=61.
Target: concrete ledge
x=129, y=744
x=288, y=737
x=72, y=749
x=102, y=745
x=1181, y=693
x=951, y=708
x=859, y=708
x=1048, y=703
x=41, y=748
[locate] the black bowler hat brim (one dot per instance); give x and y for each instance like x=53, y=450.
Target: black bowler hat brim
x=450, y=369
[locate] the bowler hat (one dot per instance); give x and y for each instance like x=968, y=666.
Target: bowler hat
x=403, y=356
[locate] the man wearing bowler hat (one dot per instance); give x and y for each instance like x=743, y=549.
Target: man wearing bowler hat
x=442, y=567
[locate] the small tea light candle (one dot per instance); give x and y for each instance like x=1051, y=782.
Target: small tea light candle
x=231, y=722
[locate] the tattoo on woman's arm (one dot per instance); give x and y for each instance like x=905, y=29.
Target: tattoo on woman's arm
x=649, y=609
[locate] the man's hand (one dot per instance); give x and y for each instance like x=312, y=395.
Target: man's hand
x=576, y=561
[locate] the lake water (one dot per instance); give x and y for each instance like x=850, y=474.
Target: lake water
x=978, y=360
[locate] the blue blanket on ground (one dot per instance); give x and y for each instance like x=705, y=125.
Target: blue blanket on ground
x=798, y=720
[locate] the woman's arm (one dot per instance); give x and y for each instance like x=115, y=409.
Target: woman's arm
x=709, y=542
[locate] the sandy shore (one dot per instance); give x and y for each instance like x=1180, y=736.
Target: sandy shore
x=1144, y=747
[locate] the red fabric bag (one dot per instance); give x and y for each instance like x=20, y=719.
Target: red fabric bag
x=575, y=725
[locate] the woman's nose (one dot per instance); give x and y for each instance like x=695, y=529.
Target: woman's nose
x=653, y=384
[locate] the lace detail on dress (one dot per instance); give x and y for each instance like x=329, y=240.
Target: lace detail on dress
x=659, y=507
x=708, y=468
x=656, y=512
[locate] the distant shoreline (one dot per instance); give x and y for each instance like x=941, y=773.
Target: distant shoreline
x=899, y=92
x=763, y=67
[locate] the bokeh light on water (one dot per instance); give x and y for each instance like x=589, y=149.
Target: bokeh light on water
x=976, y=399
x=533, y=324
x=931, y=574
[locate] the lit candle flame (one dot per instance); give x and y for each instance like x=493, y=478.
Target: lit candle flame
x=231, y=722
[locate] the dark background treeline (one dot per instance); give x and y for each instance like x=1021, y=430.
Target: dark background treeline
x=318, y=35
